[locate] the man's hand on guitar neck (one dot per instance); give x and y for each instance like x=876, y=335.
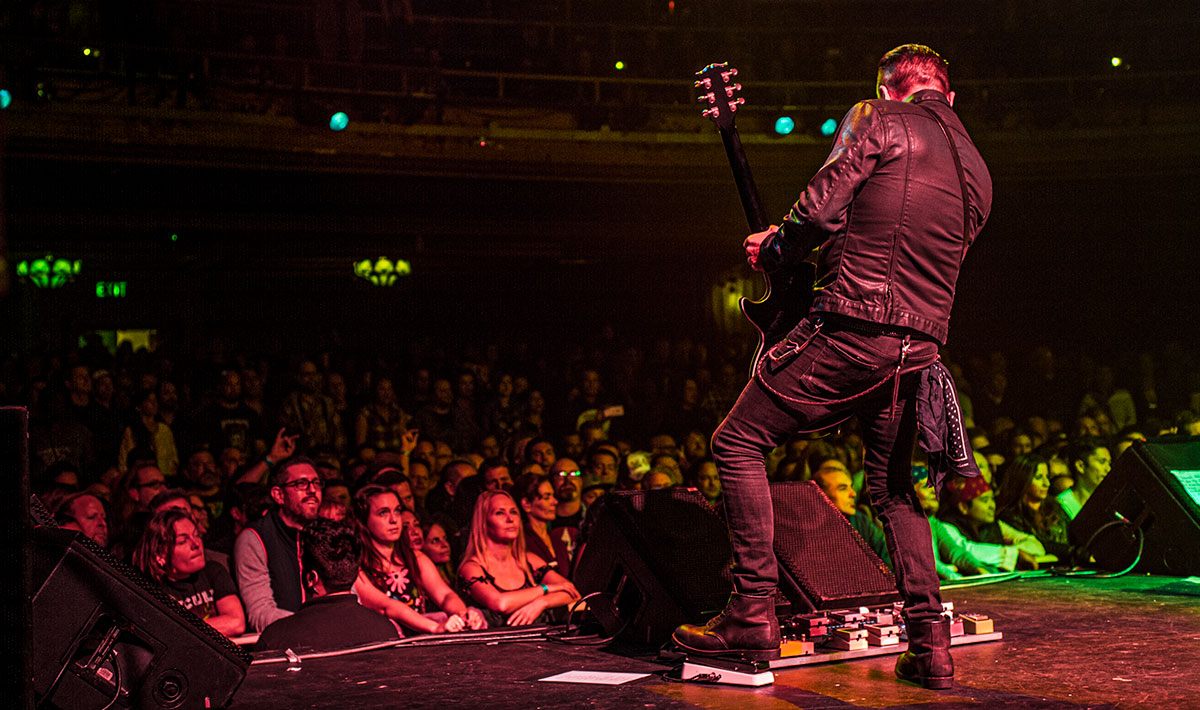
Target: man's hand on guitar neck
x=754, y=245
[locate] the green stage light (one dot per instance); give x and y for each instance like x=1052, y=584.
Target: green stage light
x=338, y=121
x=784, y=125
x=5, y=98
x=49, y=272
x=828, y=127
x=383, y=271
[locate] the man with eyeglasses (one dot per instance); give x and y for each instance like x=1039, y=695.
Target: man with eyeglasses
x=567, y=480
x=143, y=481
x=266, y=555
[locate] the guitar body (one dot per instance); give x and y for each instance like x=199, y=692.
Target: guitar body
x=784, y=304
x=789, y=285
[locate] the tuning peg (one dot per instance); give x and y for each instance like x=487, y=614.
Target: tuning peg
x=706, y=82
x=735, y=103
x=711, y=112
x=730, y=89
x=727, y=75
x=709, y=97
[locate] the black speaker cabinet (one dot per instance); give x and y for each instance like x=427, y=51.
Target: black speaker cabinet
x=16, y=620
x=106, y=636
x=1152, y=493
x=662, y=558
x=823, y=562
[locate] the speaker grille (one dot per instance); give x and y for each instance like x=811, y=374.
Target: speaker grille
x=823, y=562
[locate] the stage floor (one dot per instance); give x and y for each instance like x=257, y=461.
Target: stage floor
x=1130, y=642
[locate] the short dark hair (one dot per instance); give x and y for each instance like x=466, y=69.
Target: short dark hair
x=597, y=449
x=532, y=443
x=332, y=550
x=389, y=477
x=1081, y=449
x=525, y=488
x=911, y=65
x=490, y=463
x=281, y=468
x=168, y=495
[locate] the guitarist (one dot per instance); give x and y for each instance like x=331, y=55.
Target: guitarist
x=901, y=196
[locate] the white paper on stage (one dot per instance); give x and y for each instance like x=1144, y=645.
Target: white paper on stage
x=594, y=677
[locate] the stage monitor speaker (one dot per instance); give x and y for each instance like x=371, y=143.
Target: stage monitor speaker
x=1151, y=499
x=823, y=562
x=16, y=619
x=106, y=636
x=659, y=558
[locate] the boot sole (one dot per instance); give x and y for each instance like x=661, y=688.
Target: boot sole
x=764, y=654
x=935, y=683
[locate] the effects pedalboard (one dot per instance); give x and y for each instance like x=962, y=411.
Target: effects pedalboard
x=828, y=636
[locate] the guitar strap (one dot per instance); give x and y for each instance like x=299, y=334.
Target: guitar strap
x=962, y=181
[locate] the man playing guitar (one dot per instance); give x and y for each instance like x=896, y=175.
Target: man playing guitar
x=901, y=196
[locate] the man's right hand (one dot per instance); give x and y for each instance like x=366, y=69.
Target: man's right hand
x=753, y=246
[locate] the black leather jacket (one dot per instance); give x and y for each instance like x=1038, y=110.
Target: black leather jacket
x=886, y=211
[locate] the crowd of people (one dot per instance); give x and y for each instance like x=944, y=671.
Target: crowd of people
x=343, y=500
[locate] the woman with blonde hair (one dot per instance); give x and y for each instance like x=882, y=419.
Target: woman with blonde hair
x=515, y=587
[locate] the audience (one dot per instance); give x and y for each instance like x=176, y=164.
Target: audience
x=397, y=580
x=535, y=495
x=240, y=498
x=1025, y=503
x=85, y=513
x=266, y=555
x=172, y=554
x=1088, y=462
x=969, y=511
x=332, y=616
x=515, y=587
x=951, y=557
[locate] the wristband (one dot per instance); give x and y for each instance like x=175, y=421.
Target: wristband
x=545, y=590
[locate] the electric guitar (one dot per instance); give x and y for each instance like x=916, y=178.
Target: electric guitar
x=789, y=281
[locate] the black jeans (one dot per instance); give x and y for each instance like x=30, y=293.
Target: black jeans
x=819, y=376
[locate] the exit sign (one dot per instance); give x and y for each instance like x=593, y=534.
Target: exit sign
x=110, y=289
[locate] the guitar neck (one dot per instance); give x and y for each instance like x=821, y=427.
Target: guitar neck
x=756, y=218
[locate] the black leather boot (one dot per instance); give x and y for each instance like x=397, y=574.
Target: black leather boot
x=927, y=660
x=748, y=628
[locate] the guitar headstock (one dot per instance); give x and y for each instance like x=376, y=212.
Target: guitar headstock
x=719, y=93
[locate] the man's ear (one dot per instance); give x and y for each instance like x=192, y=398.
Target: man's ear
x=886, y=93
x=950, y=97
x=277, y=495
